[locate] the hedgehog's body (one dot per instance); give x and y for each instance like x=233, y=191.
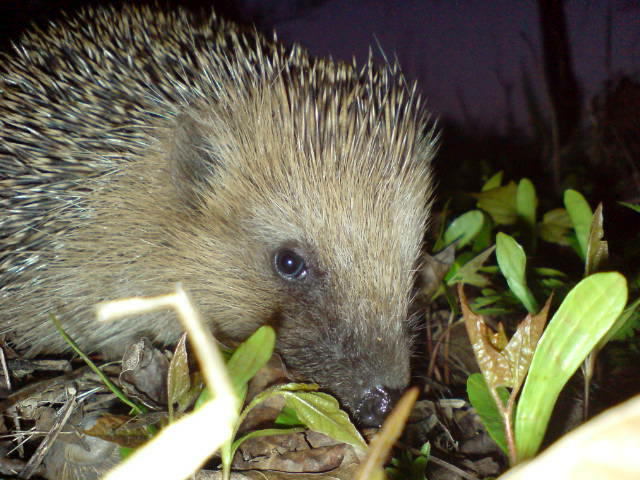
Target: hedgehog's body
x=138, y=149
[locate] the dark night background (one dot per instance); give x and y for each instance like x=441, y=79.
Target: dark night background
x=469, y=56
x=481, y=66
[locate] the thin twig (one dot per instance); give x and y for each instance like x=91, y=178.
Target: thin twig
x=64, y=414
x=138, y=409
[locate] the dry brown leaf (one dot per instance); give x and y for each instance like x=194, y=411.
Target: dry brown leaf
x=519, y=351
x=434, y=269
x=288, y=453
x=144, y=374
x=119, y=429
x=503, y=363
x=597, y=249
x=178, y=379
x=493, y=363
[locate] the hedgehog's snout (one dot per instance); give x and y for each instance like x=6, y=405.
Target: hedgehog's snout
x=375, y=405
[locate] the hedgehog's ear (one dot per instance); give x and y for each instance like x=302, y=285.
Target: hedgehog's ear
x=192, y=159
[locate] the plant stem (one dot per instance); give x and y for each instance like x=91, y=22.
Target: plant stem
x=508, y=415
x=225, y=454
x=508, y=427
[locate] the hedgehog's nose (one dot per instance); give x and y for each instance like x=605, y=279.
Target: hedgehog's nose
x=376, y=404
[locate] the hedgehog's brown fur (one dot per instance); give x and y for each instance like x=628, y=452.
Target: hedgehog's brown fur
x=140, y=148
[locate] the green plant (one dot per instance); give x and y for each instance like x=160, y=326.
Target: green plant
x=585, y=316
x=410, y=466
x=512, y=207
x=305, y=406
x=315, y=410
x=540, y=363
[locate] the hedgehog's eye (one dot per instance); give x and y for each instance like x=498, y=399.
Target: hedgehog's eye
x=290, y=265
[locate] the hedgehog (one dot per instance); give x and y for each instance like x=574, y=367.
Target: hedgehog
x=142, y=148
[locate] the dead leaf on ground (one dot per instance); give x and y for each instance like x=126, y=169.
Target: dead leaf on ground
x=144, y=374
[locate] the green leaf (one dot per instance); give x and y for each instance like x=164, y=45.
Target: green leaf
x=597, y=249
x=552, y=283
x=101, y=375
x=297, y=387
x=581, y=215
x=513, y=261
x=549, y=272
x=483, y=402
x=228, y=449
x=555, y=226
x=527, y=202
x=277, y=390
x=287, y=418
x=480, y=302
x=492, y=269
x=249, y=357
x=494, y=312
x=621, y=323
x=526, y=207
x=425, y=450
x=484, y=238
x=584, y=317
x=203, y=398
x=468, y=273
x=125, y=452
x=464, y=228
x=321, y=413
x=633, y=206
x=500, y=203
x=409, y=467
x=494, y=182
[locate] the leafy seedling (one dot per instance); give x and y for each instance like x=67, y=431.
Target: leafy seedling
x=317, y=411
x=503, y=363
x=585, y=316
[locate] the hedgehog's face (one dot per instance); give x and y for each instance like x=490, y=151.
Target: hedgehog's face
x=340, y=264
x=356, y=346
x=323, y=245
